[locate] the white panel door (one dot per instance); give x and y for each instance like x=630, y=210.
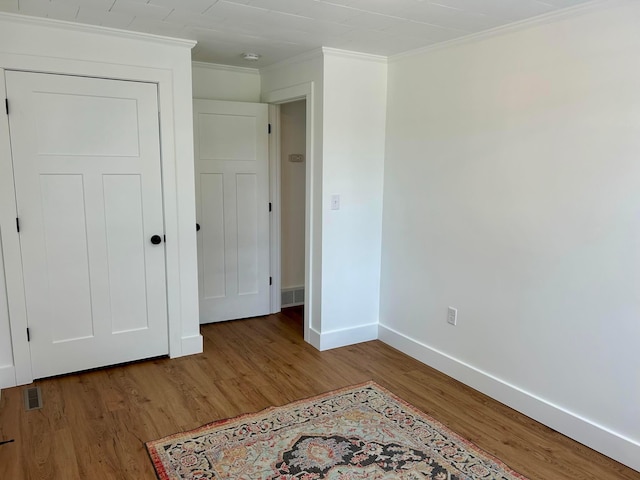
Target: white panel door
x=86, y=162
x=232, y=191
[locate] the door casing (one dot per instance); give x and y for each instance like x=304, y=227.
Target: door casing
x=304, y=91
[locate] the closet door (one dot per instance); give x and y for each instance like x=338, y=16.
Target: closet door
x=86, y=160
x=232, y=200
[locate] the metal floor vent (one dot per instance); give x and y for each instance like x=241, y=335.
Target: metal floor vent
x=292, y=296
x=32, y=398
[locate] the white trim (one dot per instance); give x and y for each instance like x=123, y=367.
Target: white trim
x=81, y=27
x=7, y=376
x=598, y=437
x=335, y=52
x=319, y=52
x=509, y=28
x=302, y=57
x=289, y=94
x=304, y=91
x=12, y=257
x=229, y=68
x=348, y=336
x=274, y=198
x=314, y=338
x=191, y=345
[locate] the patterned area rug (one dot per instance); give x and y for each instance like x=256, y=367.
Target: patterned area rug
x=360, y=432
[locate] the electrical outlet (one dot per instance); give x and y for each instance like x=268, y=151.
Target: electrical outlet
x=452, y=316
x=335, y=202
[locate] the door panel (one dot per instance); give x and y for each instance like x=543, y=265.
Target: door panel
x=125, y=252
x=248, y=241
x=91, y=125
x=66, y=254
x=86, y=159
x=212, y=265
x=232, y=175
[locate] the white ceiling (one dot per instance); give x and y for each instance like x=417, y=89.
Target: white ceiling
x=278, y=29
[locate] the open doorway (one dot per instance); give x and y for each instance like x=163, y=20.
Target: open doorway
x=303, y=116
x=292, y=205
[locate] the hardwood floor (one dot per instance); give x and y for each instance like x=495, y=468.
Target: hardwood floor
x=94, y=424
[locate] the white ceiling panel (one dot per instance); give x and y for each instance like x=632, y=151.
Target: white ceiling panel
x=195, y=6
x=279, y=29
x=450, y=17
x=139, y=9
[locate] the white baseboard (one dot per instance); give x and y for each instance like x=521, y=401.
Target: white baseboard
x=7, y=376
x=344, y=337
x=192, y=345
x=314, y=338
x=601, y=439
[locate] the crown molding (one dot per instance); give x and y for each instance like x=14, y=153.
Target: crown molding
x=228, y=68
x=543, y=19
x=300, y=58
x=336, y=52
x=96, y=29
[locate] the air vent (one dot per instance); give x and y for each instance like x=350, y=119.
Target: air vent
x=298, y=295
x=292, y=297
x=287, y=298
x=32, y=398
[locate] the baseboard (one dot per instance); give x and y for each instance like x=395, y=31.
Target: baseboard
x=344, y=337
x=314, y=338
x=192, y=345
x=7, y=376
x=601, y=439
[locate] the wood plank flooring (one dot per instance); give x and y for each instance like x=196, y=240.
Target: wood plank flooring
x=94, y=424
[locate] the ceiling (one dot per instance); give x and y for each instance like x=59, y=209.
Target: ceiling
x=279, y=29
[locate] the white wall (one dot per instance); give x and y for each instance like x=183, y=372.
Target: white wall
x=348, y=156
x=355, y=95
x=221, y=82
x=60, y=47
x=292, y=193
x=512, y=192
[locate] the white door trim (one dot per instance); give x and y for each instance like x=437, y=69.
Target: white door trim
x=274, y=198
x=14, y=281
x=304, y=91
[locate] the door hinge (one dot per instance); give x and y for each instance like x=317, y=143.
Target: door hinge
x=270, y=280
x=6, y=105
x=269, y=206
x=268, y=129
x=28, y=335
x=18, y=224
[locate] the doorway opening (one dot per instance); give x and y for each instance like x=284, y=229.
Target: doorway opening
x=292, y=205
x=303, y=112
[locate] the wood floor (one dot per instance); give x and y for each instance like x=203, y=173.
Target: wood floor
x=94, y=424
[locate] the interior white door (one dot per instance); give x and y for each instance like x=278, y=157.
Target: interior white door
x=232, y=191
x=87, y=173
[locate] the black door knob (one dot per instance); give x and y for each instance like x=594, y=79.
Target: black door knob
x=197, y=227
x=156, y=239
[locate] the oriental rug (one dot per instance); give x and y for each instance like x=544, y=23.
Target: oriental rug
x=359, y=432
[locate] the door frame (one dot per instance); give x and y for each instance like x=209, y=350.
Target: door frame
x=275, y=98
x=179, y=218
